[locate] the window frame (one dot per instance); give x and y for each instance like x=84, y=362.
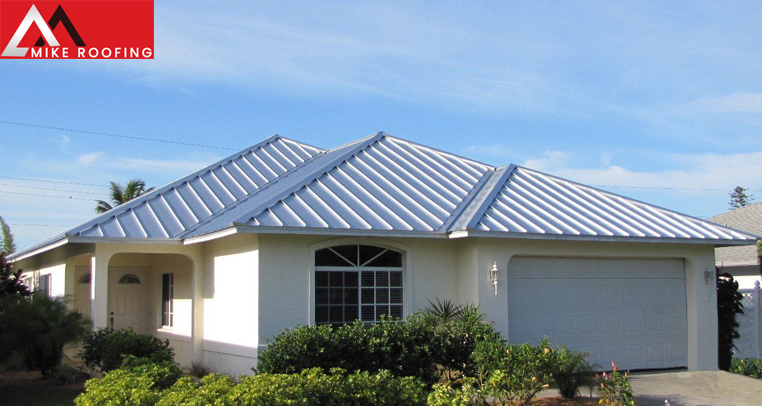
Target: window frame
x=49, y=282
x=406, y=269
x=167, y=299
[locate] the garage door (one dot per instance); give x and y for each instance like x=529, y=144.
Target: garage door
x=632, y=311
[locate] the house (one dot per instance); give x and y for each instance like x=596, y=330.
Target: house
x=744, y=264
x=284, y=234
x=741, y=262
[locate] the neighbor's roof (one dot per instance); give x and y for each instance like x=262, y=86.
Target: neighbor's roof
x=747, y=218
x=383, y=185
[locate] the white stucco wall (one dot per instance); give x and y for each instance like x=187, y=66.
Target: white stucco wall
x=231, y=306
x=286, y=262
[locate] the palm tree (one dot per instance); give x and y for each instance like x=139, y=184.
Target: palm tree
x=120, y=195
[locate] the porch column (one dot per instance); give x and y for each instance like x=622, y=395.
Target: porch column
x=70, y=279
x=197, y=293
x=99, y=287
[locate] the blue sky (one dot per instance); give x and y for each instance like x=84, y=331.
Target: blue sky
x=648, y=95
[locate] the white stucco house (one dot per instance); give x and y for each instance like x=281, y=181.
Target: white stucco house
x=284, y=234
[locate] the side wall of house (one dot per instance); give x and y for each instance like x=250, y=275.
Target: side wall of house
x=231, y=304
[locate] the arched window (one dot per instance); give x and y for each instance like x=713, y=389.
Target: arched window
x=85, y=278
x=357, y=282
x=129, y=279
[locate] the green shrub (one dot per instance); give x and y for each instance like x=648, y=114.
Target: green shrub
x=66, y=375
x=459, y=328
x=199, y=369
x=573, y=372
x=408, y=348
x=40, y=327
x=751, y=367
x=213, y=389
x=104, y=349
x=315, y=387
x=443, y=394
x=615, y=389
x=729, y=304
x=138, y=382
x=513, y=373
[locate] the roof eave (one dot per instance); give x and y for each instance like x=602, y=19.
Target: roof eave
x=21, y=255
x=595, y=238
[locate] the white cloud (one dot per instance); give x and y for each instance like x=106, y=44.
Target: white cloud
x=63, y=140
x=693, y=171
x=734, y=103
x=89, y=159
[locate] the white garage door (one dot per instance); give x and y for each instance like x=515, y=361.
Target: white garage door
x=631, y=311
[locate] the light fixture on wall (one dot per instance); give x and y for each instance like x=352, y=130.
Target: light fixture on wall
x=494, y=276
x=708, y=275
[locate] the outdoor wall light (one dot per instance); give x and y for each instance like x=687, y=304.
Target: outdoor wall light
x=708, y=275
x=494, y=276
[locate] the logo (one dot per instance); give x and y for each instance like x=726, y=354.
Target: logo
x=76, y=29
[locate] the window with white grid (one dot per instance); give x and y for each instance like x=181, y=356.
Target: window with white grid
x=357, y=282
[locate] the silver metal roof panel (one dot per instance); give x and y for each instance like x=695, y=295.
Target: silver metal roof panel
x=536, y=203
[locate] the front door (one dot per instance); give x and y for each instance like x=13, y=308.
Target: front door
x=128, y=299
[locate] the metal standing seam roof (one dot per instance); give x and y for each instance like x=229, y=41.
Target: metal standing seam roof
x=384, y=184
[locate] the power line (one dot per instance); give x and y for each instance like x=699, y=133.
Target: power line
x=37, y=225
x=53, y=181
x=41, y=195
x=674, y=188
x=129, y=137
x=50, y=189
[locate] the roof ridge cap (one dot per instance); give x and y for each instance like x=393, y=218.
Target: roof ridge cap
x=483, y=199
x=439, y=151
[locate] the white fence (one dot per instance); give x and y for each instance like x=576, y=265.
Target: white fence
x=750, y=324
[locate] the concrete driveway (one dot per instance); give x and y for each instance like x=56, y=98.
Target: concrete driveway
x=696, y=389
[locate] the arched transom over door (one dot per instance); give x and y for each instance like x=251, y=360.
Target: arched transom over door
x=357, y=282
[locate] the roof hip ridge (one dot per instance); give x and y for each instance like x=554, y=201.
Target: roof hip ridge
x=480, y=201
x=353, y=148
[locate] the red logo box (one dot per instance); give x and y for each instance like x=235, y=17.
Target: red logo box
x=120, y=29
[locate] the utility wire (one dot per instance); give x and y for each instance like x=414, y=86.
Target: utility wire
x=50, y=189
x=41, y=195
x=674, y=188
x=37, y=225
x=129, y=137
x=53, y=181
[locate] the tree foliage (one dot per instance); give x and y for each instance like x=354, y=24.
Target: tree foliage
x=10, y=281
x=122, y=194
x=740, y=198
x=42, y=327
x=9, y=246
x=728, y=306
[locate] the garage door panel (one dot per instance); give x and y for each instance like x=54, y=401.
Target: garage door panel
x=632, y=311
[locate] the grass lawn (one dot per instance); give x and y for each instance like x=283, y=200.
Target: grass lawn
x=27, y=388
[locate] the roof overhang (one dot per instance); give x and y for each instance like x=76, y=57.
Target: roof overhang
x=595, y=238
x=89, y=240
x=38, y=250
